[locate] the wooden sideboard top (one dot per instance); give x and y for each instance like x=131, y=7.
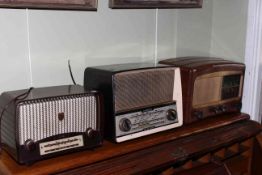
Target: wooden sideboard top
x=111, y=150
x=211, y=168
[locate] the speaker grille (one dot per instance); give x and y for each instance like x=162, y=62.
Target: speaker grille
x=143, y=88
x=39, y=119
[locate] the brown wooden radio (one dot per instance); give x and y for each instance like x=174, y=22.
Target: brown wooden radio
x=210, y=86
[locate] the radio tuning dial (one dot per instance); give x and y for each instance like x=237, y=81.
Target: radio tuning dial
x=171, y=115
x=125, y=125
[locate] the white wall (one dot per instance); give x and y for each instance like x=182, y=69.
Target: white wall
x=14, y=67
x=88, y=39
x=218, y=29
x=194, y=30
x=166, y=33
x=36, y=44
x=229, y=29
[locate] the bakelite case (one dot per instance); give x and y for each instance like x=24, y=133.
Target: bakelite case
x=210, y=86
x=50, y=121
x=136, y=91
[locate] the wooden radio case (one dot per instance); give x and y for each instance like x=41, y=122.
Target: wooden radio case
x=210, y=86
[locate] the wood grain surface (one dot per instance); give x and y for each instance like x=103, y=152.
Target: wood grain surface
x=111, y=150
x=149, y=160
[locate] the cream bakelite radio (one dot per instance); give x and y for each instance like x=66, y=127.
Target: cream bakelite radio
x=140, y=99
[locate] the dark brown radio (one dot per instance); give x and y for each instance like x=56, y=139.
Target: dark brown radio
x=45, y=122
x=210, y=86
x=140, y=99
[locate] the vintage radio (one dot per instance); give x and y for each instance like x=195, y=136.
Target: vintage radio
x=46, y=122
x=211, y=86
x=140, y=99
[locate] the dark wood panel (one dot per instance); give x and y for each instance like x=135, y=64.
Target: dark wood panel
x=209, y=169
x=257, y=156
x=110, y=150
x=136, y=4
x=157, y=157
x=50, y=4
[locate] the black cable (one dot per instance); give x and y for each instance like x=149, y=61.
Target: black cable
x=70, y=71
x=19, y=97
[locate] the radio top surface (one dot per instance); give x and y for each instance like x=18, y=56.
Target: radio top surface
x=115, y=68
x=54, y=91
x=198, y=62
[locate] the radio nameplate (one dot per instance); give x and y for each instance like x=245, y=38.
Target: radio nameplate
x=61, y=145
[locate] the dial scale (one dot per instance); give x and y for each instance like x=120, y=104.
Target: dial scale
x=128, y=124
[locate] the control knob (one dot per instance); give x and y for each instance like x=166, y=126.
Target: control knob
x=125, y=125
x=30, y=145
x=223, y=108
x=171, y=115
x=199, y=114
x=214, y=110
x=91, y=133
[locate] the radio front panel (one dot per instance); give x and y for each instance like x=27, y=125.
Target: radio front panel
x=217, y=88
x=50, y=121
x=137, y=97
x=217, y=93
x=143, y=88
x=210, y=86
x=41, y=119
x=148, y=121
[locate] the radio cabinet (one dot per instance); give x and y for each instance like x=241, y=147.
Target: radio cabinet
x=210, y=86
x=140, y=98
x=48, y=122
x=228, y=144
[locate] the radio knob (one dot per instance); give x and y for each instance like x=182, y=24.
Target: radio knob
x=214, y=110
x=199, y=114
x=91, y=133
x=30, y=145
x=171, y=115
x=223, y=108
x=125, y=125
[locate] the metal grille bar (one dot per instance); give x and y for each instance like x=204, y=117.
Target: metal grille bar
x=143, y=88
x=38, y=119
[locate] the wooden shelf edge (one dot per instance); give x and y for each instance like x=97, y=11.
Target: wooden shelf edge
x=110, y=150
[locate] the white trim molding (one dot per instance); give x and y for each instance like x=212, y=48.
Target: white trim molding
x=253, y=60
